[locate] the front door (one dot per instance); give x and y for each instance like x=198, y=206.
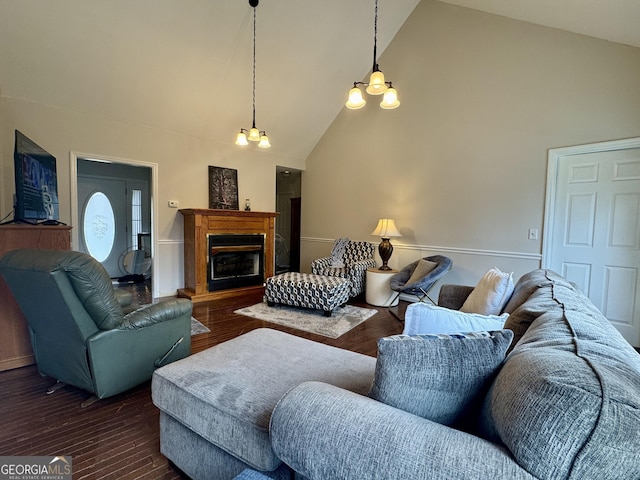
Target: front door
x=103, y=220
x=595, y=232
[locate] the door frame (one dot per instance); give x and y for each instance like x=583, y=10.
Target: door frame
x=153, y=187
x=553, y=167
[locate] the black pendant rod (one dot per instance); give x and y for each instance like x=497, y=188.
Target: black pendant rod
x=254, y=4
x=375, y=38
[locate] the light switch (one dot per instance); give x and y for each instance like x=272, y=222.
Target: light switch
x=173, y=203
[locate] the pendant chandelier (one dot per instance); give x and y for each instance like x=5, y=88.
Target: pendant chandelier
x=377, y=85
x=254, y=135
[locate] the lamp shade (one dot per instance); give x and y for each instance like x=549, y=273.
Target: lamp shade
x=254, y=135
x=355, y=99
x=390, y=99
x=376, y=83
x=386, y=228
x=264, y=141
x=241, y=139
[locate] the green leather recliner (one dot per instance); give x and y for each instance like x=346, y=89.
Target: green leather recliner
x=79, y=331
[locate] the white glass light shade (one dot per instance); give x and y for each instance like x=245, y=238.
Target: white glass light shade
x=376, y=83
x=390, y=99
x=386, y=228
x=264, y=141
x=355, y=99
x=241, y=139
x=254, y=135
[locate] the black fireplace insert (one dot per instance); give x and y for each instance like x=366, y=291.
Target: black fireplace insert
x=235, y=260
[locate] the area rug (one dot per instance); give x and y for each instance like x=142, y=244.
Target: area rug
x=197, y=327
x=340, y=322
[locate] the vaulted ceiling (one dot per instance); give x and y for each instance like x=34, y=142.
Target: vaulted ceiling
x=613, y=20
x=186, y=66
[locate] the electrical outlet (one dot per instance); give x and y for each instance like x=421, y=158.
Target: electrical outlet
x=533, y=234
x=173, y=203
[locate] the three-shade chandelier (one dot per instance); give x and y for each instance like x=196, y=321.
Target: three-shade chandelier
x=377, y=84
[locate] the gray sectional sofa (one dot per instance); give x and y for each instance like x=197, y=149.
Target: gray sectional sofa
x=564, y=404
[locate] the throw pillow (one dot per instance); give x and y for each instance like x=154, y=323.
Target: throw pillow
x=439, y=377
x=421, y=318
x=490, y=294
x=337, y=252
x=421, y=270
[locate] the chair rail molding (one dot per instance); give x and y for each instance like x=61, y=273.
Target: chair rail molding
x=434, y=248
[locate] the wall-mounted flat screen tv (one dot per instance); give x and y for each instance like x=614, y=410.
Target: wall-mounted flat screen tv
x=36, y=182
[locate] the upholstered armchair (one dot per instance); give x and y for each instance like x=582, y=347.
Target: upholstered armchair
x=79, y=331
x=349, y=260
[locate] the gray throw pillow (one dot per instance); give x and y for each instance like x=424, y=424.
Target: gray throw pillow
x=441, y=377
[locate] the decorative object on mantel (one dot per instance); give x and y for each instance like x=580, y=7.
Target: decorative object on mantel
x=340, y=322
x=255, y=135
x=223, y=188
x=377, y=85
x=247, y=205
x=386, y=229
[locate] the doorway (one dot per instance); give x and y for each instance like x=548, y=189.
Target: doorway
x=103, y=219
x=112, y=208
x=592, y=226
x=288, y=205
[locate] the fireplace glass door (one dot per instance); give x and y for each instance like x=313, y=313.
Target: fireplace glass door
x=235, y=261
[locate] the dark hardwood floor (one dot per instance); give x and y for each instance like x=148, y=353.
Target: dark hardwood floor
x=118, y=437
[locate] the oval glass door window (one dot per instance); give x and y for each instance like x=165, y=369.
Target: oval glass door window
x=99, y=226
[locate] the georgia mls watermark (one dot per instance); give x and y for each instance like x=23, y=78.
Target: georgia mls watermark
x=35, y=468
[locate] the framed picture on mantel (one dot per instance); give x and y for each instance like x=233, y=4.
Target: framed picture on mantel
x=223, y=188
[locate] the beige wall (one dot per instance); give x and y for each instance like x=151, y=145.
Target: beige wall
x=461, y=164
x=182, y=165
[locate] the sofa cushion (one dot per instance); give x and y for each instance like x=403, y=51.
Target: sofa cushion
x=439, y=377
x=422, y=318
x=569, y=392
x=539, y=301
x=226, y=393
x=248, y=474
x=490, y=294
x=526, y=285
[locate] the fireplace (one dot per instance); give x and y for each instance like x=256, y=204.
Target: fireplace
x=202, y=224
x=235, y=261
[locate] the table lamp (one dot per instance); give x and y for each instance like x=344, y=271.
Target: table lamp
x=386, y=229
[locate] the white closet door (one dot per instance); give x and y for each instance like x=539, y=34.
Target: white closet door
x=595, y=234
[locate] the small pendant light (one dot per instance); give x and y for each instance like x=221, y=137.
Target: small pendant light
x=254, y=135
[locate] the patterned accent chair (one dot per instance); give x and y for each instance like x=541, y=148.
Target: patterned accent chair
x=356, y=259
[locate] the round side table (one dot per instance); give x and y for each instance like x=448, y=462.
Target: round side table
x=378, y=292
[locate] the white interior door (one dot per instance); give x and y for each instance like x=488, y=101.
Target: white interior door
x=593, y=230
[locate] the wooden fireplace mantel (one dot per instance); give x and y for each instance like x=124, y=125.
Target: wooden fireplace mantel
x=198, y=223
